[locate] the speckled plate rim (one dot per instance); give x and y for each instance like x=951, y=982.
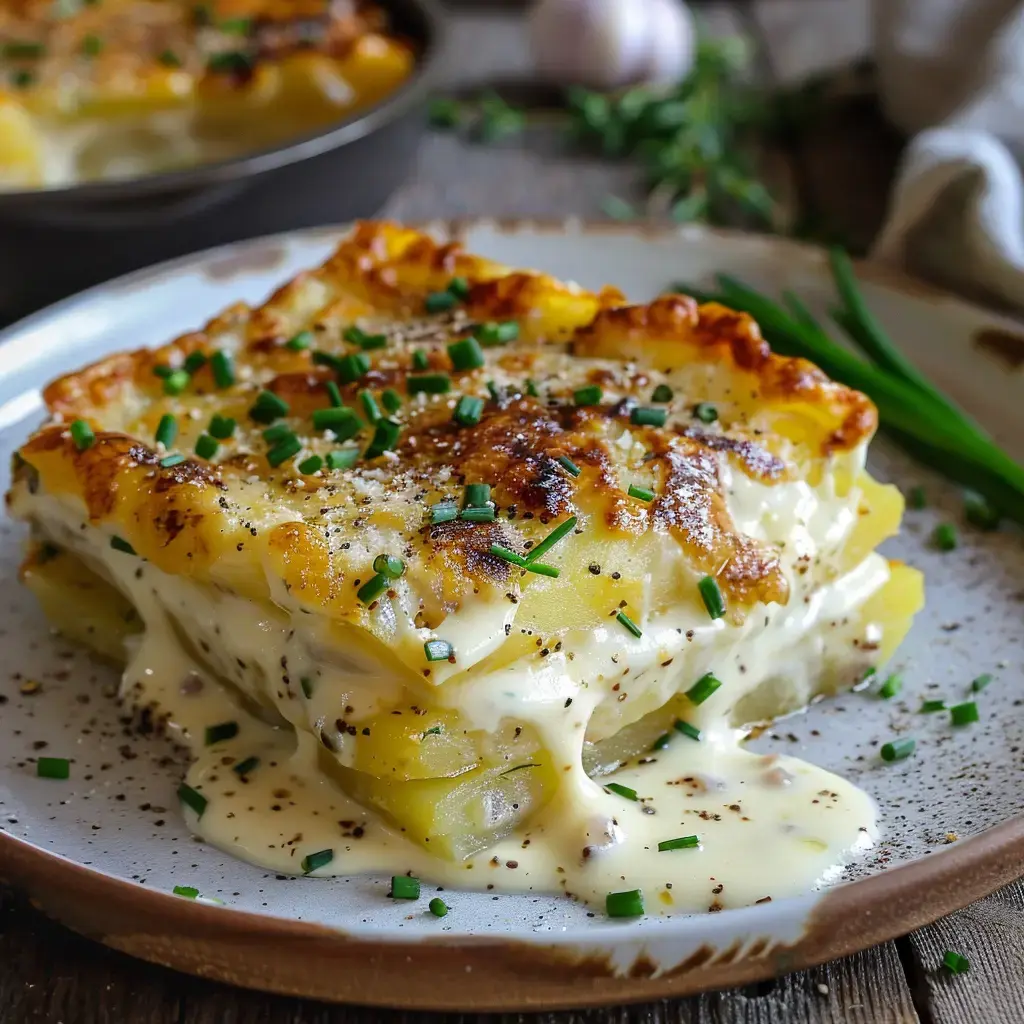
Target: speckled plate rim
x=614, y=963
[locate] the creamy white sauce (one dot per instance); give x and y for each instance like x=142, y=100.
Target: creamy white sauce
x=768, y=826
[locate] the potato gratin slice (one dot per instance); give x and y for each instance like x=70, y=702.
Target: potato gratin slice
x=423, y=546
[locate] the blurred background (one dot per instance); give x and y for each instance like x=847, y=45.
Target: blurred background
x=135, y=130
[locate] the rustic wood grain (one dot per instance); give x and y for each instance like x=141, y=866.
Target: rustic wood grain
x=990, y=934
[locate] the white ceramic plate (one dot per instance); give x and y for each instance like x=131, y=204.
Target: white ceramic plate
x=103, y=850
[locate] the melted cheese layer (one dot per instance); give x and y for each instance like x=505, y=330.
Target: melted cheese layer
x=768, y=825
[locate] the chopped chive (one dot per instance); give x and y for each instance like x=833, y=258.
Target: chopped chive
x=194, y=362
x=53, y=768
x=206, y=446
x=438, y=650
x=957, y=963
x=544, y=570
x=385, y=438
x=82, y=434
x=682, y=843
x=420, y=360
x=172, y=460
x=373, y=588
x=891, y=686
x=221, y=731
x=928, y=706
x=626, y=621
x=333, y=394
x=166, y=430
x=232, y=62
x=344, y=458
x=353, y=334
x=466, y=354
x=569, y=466
x=662, y=393
x=468, y=411
x=300, y=342
x=705, y=412
x=440, y=302
x=314, y=861
x=662, y=741
x=552, y=539
x=964, y=714
x=236, y=26
x=192, y=799
x=22, y=50
x=497, y=333
x=494, y=391
x=307, y=687
x=443, y=512
x=370, y=407
x=629, y=794
x=459, y=287
x=371, y=341
x=268, y=407
x=343, y=421
x=531, y=388
x=391, y=400
x=278, y=432
x=438, y=907
x=897, y=750
x=162, y=370
x=711, y=595
x=509, y=556
x=978, y=512
x=120, y=544
x=703, y=688
x=589, y=395
x=944, y=537
x=625, y=904
x=404, y=888
x=647, y=416
x=169, y=59
x=223, y=369
x=917, y=499
x=22, y=78
x=686, y=729
x=221, y=427
x=429, y=384
x=246, y=766
x=328, y=359
x=477, y=495
x=352, y=367
x=307, y=467
x=980, y=682
x=284, y=450
x=640, y=493
x=389, y=565
x=92, y=45
x=176, y=382
x=188, y=891
x=478, y=515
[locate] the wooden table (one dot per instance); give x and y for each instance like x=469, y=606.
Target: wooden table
x=51, y=976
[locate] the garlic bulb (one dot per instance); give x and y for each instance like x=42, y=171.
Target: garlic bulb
x=608, y=43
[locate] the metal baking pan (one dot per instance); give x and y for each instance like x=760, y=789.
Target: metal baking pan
x=57, y=241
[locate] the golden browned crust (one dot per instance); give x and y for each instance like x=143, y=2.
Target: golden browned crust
x=778, y=419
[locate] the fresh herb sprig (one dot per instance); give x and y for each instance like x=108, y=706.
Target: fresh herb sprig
x=695, y=144
x=924, y=421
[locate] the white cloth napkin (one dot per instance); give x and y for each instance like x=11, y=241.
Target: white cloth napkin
x=951, y=73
